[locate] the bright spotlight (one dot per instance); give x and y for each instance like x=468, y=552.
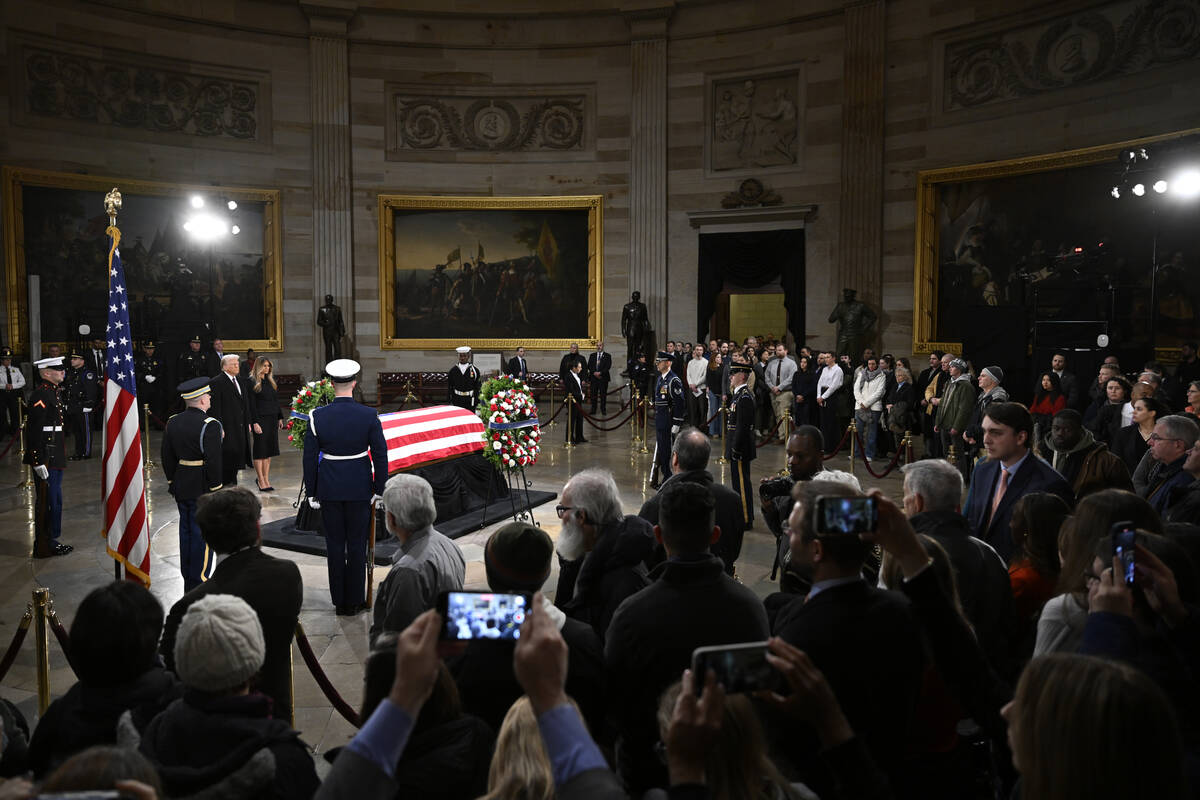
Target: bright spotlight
x=235, y=230
x=205, y=227
x=197, y=201
x=1116, y=192
x=1160, y=186
x=232, y=205
x=1139, y=189
x=1186, y=184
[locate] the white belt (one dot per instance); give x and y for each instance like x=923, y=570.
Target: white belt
x=54, y=428
x=330, y=457
x=461, y=393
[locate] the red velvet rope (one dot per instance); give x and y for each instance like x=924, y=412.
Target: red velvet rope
x=10, y=655
x=60, y=633
x=862, y=453
x=620, y=411
x=331, y=694
x=771, y=434
x=838, y=449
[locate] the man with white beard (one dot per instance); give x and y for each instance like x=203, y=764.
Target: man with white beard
x=601, y=550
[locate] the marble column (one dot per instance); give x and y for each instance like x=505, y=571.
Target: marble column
x=332, y=234
x=860, y=227
x=648, y=159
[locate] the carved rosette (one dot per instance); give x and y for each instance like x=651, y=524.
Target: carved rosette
x=491, y=123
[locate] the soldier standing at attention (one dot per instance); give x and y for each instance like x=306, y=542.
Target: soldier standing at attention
x=81, y=393
x=46, y=452
x=149, y=369
x=669, y=409
x=191, y=457
x=12, y=386
x=462, y=381
x=739, y=438
x=345, y=469
x=190, y=363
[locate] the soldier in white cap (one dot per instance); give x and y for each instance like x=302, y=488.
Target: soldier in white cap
x=463, y=381
x=46, y=452
x=345, y=469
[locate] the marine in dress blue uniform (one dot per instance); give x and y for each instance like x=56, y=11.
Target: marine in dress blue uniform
x=46, y=452
x=345, y=469
x=740, y=447
x=669, y=410
x=191, y=459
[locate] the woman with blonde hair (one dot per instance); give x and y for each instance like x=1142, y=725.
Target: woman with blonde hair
x=520, y=766
x=268, y=421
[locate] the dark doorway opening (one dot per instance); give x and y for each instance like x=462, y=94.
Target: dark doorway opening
x=751, y=260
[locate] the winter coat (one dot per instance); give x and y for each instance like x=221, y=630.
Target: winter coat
x=590, y=588
x=1088, y=466
x=869, y=391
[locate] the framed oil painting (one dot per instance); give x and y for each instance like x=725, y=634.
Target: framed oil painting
x=1065, y=237
x=220, y=276
x=490, y=272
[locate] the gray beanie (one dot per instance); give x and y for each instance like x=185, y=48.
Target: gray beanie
x=219, y=644
x=995, y=373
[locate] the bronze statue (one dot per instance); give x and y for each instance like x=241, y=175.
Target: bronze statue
x=635, y=325
x=329, y=320
x=854, y=319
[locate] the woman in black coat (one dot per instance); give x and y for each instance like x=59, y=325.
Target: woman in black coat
x=1131, y=442
x=804, y=390
x=1108, y=421
x=268, y=421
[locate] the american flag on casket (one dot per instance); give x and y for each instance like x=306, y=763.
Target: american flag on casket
x=423, y=435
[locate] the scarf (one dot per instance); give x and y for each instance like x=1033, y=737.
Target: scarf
x=865, y=375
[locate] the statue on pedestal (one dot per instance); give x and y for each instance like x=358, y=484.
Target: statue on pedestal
x=635, y=324
x=854, y=319
x=329, y=320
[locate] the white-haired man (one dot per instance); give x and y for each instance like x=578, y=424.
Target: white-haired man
x=231, y=407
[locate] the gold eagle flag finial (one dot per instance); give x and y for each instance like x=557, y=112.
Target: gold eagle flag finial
x=112, y=204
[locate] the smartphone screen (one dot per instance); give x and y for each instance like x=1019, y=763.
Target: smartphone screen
x=482, y=615
x=739, y=668
x=1123, y=538
x=848, y=515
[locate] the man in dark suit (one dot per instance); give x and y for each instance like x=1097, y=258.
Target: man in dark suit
x=94, y=357
x=517, y=366
x=231, y=406
x=573, y=381
x=1011, y=471
x=599, y=368
x=568, y=360
x=213, y=358
x=229, y=522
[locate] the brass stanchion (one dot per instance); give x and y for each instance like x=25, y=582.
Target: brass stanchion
x=570, y=444
x=908, y=447
x=41, y=640
x=551, y=423
x=645, y=424
x=724, y=431
x=787, y=434
x=853, y=430
x=952, y=456
x=146, y=433
x=633, y=405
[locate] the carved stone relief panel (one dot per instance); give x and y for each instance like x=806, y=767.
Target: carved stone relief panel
x=1068, y=50
x=755, y=121
x=528, y=122
x=62, y=84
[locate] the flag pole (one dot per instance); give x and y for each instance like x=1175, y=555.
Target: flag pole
x=112, y=205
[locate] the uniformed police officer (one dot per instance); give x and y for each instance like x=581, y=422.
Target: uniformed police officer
x=739, y=436
x=190, y=363
x=669, y=408
x=46, y=452
x=150, y=373
x=463, y=381
x=191, y=457
x=12, y=387
x=345, y=469
x=81, y=395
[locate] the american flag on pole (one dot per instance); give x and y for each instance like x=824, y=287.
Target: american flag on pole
x=125, y=523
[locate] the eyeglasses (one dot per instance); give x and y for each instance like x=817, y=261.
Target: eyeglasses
x=1154, y=437
x=560, y=510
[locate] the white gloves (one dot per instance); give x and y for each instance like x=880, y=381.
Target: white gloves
x=376, y=499
x=87, y=411
x=42, y=471
x=150, y=379
x=313, y=504
x=674, y=429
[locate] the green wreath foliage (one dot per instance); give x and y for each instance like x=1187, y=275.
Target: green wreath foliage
x=503, y=400
x=312, y=395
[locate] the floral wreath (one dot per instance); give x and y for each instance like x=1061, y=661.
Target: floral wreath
x=310, y=396
x=511, y=439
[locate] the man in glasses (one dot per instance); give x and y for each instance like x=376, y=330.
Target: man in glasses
x=1170, y=442
x=1183, y=504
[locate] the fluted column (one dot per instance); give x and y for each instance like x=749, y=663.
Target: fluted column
x=648, y=159
x=332, y=235
x=860, y=227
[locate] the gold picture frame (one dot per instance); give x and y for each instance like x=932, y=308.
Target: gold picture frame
x=16, y=179
x=927, y=236
x=492, y=214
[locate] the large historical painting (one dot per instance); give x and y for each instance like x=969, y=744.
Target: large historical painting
x=755, y=121
x=1045, y=235
x=490, y=272
x=226, y=286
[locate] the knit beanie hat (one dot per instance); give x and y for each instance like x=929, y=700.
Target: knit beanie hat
x=219, y=644
x=995, y=373
x=517, y=557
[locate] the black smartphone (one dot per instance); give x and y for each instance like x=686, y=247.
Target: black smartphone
x=739, y=667
x=1124, y=536
x=845, y=515
x=468, y=616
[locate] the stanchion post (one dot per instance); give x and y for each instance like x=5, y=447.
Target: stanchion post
x=551, y=423
x=570, y=401
x=645, y=424
x=724, y=431
x=787, y=434
x=41, y=640
x=952, y=456
x=146, y=432
x=633, y=404
x=908, y=447
x=853, y=435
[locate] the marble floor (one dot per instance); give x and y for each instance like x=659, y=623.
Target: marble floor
x=340, y=643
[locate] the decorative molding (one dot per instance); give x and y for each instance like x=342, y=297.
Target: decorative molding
x=761, y=218
x=424, y=122
x=755, y=121
x=750, y=194
x=1067, y=51
x=62, y=84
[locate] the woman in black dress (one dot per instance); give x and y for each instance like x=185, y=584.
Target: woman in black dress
x=267, y=421
x=804, y=390
x=1131, y=442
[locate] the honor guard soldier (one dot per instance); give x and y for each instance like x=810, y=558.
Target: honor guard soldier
x=739, y=436
x=12, y=387
x=345, y=469
x=81, y=395
x=463, y=381
x=150, y=373
x=669, y=409
x=191, y=457
x=46, y=452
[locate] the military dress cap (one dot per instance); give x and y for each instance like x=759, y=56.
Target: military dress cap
x=663, y=355
x=149, y=344
x=54, y=362
x=736, y=367
x=342, y=370
x=195, y=339
x=6, y=352
x=463, y=349
x=76, y=355
x=191, y=389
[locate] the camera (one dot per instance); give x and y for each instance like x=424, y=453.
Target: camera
x=775, y=487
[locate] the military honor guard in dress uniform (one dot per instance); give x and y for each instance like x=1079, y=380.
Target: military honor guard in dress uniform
x=463, y=381
x=191, y=458
x=12, y=386
x=46, y=452
x=669, y=410
x=82, y=393
x=345, y=469
x=739, y=437
x=150, y=386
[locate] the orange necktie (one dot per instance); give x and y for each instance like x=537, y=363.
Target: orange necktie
x=1000, y=489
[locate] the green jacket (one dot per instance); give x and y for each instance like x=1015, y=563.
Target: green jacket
x=954, y=412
